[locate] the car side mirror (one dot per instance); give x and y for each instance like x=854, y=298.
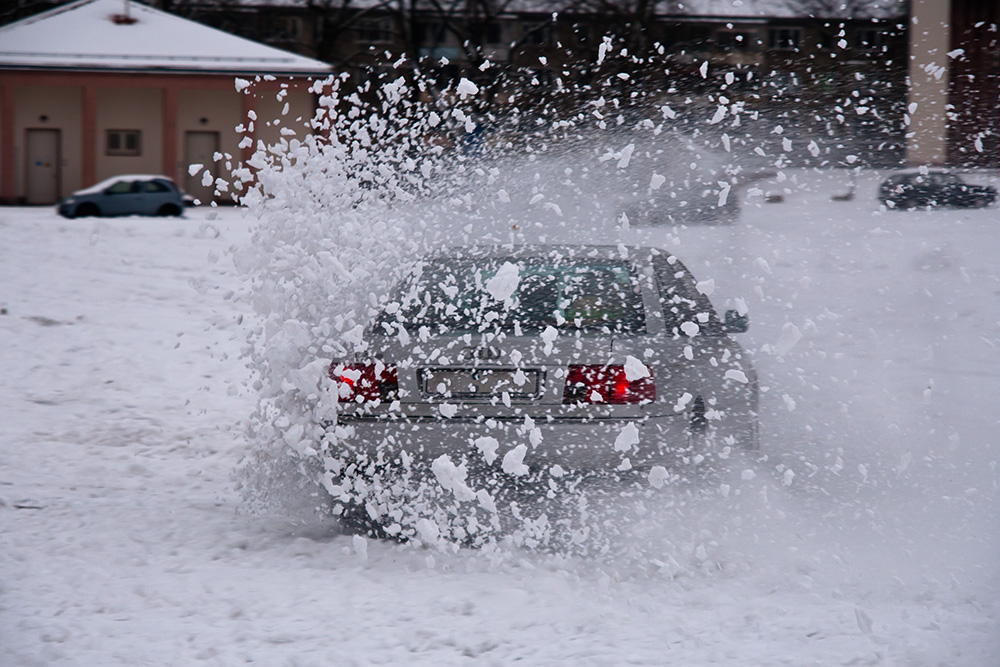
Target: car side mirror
x=735, y=323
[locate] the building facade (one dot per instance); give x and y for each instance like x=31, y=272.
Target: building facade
x=87, y=93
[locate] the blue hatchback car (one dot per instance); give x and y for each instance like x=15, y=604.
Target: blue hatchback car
x=135, y=194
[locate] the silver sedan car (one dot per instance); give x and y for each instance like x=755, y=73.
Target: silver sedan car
x=549, y=359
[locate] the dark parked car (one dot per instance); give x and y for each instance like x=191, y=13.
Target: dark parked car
x=933, y=187
x=136, y=194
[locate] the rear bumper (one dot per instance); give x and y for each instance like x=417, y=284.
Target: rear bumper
x=596, y=444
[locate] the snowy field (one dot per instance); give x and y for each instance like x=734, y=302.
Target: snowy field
x=869, y=534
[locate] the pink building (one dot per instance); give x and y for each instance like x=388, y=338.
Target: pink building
x=101, y=87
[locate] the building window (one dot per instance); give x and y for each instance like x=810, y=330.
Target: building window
x=429, y=32
x=785, y=39
x=538, y=34
x=727, y=40
x=584, y=33
x=374, y=32
x=494, y=33
x=285, y=28
x=872, y=40
x=124, y=142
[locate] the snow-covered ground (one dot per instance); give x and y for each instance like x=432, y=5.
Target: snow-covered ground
x=868, y=535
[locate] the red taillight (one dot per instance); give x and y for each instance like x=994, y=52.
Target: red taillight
x=365, y=383
x=606, y=384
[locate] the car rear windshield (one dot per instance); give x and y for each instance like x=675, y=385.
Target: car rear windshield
x=516, y=295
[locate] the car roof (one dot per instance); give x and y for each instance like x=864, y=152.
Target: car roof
x=107, y=182
x=607, y=252
x=922, y=171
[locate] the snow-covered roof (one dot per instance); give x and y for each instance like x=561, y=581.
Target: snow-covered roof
x=124, y=35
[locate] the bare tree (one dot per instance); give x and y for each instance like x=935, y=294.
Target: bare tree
x=15, y=10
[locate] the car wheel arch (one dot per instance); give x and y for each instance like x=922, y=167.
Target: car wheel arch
x=169, y=210
x=86, y=209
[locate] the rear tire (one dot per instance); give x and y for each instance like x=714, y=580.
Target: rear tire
x=355, y=520
x=171, y=210
x=698, y=426
x=702, y=432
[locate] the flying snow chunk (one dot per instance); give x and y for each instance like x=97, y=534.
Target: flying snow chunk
x=739, y=376
x=549, y=337
x=603, y=49
x=241, y=84
x=706, y=287
x=789, y=338
x=625, y=156
x=690, y=328
x=503, y=285
x=658, y=476
x=487, y=446
x=429, y=531
x=720, y=113
x=486, y=501
x=657, y=181
x=194, y=168
x=724, y=194
x=452, y=477
x=513, y=461
x=628, y=437
x=635, y=369
x=360, y=546
x=466, y=87
x=704, y=69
